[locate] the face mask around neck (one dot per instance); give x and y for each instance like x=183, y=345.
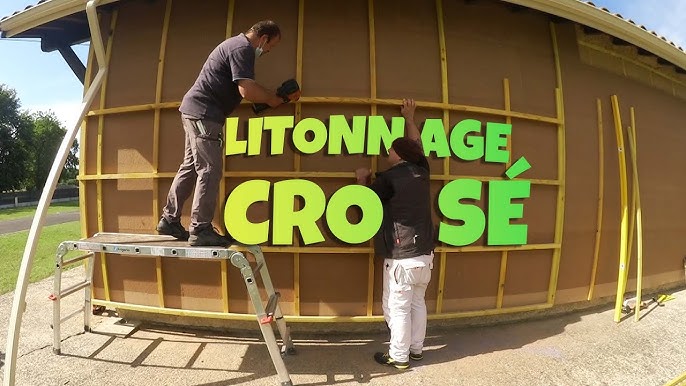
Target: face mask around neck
x=259, y=51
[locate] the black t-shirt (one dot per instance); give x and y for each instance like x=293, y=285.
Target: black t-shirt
x=214, y=95
x=407, y=229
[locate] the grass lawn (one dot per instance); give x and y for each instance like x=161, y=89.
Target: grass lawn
x=28, y=211
x=12, y=247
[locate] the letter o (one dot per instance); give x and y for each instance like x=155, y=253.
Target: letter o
x=372, y=214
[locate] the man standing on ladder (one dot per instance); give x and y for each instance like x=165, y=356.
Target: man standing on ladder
x=224, y=80
x=405, y=241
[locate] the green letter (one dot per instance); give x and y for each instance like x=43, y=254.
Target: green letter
x=470, y=148
x=378, y=132
x=233, y=145
x=501, y=210
x=285, y=218
x=255, y=135
x=434, y=139
x=472, y=216
x=372, y=214
x=278, y=126
x=496, y=142
x=236, y=209
x=339, y=131
x=301, y=143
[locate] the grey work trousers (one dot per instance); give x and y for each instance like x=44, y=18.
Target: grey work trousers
x=202, y=167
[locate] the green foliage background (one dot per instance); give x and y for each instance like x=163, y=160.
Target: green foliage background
x=29, y=144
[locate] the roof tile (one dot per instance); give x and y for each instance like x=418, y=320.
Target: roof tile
x=25, y=8
x=632, y=22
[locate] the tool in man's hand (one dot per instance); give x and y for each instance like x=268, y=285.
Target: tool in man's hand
x=289, y=91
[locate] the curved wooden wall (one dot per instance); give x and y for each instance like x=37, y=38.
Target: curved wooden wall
x=459, y=59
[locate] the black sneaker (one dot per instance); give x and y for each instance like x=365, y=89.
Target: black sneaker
x=175, y=229
x=416, y=357
x=385, y=359
x=208, y=237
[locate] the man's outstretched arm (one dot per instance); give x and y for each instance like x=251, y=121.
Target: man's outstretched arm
x=255, y=93
x=407, y=110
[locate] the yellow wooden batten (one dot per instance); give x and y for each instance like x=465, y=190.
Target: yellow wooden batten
x=310, y=319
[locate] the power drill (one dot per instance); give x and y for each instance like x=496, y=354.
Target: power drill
x=289, y=91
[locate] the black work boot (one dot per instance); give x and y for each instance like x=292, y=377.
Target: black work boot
x=174, y=229
x=208, y=236
x=385, y=359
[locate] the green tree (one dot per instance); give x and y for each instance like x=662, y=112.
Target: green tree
x=16, y=132
x=48, y=134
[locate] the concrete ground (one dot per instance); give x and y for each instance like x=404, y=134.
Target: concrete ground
x=585, y=348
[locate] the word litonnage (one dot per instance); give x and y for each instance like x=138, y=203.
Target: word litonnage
x=371, y=131
x=368, y=135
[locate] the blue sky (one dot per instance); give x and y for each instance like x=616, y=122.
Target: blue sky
x=43, y=81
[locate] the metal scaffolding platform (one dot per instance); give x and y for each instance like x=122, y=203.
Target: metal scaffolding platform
x=168, y=247
x=148, y=245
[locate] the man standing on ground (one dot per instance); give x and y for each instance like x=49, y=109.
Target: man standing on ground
x=405, y=241
x=224, y=80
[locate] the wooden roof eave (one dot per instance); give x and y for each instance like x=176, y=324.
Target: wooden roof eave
x=41, y=14
x=574, y=10
x=588, y=15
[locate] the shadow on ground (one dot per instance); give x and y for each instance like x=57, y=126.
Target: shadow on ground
x=332, y=358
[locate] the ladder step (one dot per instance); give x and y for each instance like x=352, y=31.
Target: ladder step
x=72, y=289
x=271, y=307
x=78, y=311
x=76, y=259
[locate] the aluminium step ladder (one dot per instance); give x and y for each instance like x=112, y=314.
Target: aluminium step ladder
x=168, y=247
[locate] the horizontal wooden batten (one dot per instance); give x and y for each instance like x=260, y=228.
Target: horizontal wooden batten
x=349, y=100
x=309, y=319
x=291, y=174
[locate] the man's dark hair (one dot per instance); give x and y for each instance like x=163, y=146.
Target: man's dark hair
x=408, y=150
x=266, y=27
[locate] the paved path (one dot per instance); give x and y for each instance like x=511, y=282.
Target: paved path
x=584, y=348
x=21, y=224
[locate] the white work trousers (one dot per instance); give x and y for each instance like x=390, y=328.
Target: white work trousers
x=404, y=286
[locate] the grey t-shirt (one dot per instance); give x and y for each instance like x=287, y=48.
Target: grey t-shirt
x=214, y=94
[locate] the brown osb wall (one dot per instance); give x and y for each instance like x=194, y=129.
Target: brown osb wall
x=485, y=42
x=659, y=119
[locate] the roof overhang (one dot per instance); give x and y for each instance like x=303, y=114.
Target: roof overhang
x=586, y=14
x=573, y=10
x=41, y=14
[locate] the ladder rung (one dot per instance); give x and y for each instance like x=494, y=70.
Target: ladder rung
x=74, y=288
x=271, y=307
x=76, y=259
x=80, y=310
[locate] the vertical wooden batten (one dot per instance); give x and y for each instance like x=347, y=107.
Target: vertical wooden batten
x=296, y=158
x=374, y=159
x=156, y=144
x=601, y=189
x=561, y=170
x=222, y=186
x=503, y=257
x=633, y=144
x=623, y=197
x=101, y=123
x=446, y=125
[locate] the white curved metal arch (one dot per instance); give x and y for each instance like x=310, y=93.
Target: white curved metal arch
x=19, y=302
